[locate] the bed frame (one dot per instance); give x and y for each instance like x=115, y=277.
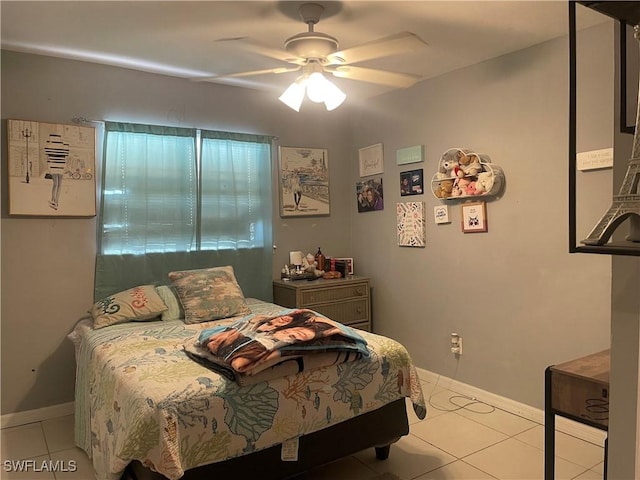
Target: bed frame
x=378, y=429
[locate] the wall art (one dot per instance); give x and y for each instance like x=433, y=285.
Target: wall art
x=474, y=217
x=51, y=169
x=413, y=154
x=304, y=182
x=411, y=225
x=411, y=183
x=371, y=160
x=370, y=195
x=441, y=214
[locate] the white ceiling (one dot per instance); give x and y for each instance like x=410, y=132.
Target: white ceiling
x=202, y=38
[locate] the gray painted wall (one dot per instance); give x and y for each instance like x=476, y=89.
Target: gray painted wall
x=48, y=263
x=520, y=301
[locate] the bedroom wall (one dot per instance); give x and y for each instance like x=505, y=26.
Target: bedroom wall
x=520, y=301
x=48, y=263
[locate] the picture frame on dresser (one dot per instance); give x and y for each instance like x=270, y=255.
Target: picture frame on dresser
x=349, y=262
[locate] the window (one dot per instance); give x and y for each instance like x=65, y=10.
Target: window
x=181, y=198
x=182, y=190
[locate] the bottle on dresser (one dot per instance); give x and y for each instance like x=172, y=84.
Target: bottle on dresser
x=319, y=258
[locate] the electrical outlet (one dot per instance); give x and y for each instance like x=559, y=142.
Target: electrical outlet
x=456, y=344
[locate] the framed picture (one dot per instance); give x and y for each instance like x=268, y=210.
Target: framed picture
x=370, y=195
x=474, y=217
x=349, y=264
x=411, y=225
x=413, y=154
x=51, y=169
x=441, y=214
x=371, y=160
x=304, y=182
x=411, y=183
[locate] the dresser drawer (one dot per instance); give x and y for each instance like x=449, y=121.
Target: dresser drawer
x=352, y=311
x=323, y=295
x=345, y=300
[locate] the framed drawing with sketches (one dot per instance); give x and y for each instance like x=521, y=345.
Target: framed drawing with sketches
x=51, y=169
x=304, y=182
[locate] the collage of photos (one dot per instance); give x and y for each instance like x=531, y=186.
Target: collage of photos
x=411, y=183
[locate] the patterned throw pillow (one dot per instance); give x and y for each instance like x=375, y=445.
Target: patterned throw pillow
x=170, y=298
x=136, y=304
x=209, y=294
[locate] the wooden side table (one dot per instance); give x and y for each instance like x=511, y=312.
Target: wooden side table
x=345, y=300
x=578, y=390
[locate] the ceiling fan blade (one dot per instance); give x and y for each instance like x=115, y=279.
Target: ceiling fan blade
x=372, y=75
x=266, y=51
x=213, y=78
x=391, y=45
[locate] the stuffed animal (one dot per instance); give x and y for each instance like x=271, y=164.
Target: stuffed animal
x=472, y=166
x=456, y=191
x=451, y=169
x=310, y=265
x=484, y=183
x=464, y=186
x=444, y=189
x=471, y=188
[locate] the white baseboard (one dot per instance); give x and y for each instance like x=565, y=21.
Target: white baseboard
x=37, y=415
x=564, y=425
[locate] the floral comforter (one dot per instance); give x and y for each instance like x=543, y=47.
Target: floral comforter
x=139, y=397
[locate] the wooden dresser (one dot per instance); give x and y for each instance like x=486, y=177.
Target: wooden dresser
x=345, y=300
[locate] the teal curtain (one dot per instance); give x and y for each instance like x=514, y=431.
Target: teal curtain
x=180, y=199
x=149, y=190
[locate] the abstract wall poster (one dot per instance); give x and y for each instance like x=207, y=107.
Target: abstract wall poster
x=411, y=224
x=51, y=169
x=304, y=182
x=370, y=195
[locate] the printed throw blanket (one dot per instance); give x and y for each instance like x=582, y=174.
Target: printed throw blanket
x=256, y=343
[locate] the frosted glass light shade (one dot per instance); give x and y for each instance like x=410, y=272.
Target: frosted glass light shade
x=293, y=96
x=318, y=90
x=333, y=96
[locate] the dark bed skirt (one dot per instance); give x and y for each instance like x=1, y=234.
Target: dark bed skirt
x=377, y=429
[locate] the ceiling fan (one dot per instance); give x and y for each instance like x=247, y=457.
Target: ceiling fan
x=313, y=52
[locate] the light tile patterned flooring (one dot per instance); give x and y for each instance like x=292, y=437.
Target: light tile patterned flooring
x=473, y=443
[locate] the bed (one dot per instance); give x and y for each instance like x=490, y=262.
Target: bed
x=144, y=410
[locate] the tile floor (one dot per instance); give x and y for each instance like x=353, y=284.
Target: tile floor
x=473, y=443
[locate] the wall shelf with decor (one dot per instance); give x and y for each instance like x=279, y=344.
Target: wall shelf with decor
x=464, y=174
x=625, y=205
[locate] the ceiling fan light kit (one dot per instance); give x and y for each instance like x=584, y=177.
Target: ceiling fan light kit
x=317, y=54
x=316, y=86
